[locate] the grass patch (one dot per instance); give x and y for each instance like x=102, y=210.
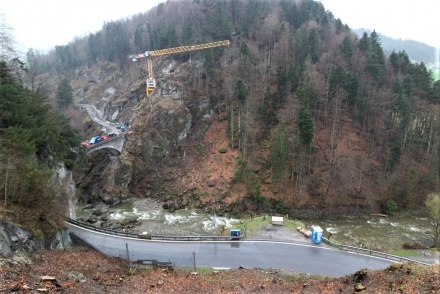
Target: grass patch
x=257, y=223
x=199, y=270
x=403, y=252
x=436, y=74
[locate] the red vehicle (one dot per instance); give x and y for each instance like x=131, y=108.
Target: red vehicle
x=104, y=137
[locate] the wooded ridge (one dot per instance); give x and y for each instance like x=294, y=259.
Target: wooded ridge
x=297, y=115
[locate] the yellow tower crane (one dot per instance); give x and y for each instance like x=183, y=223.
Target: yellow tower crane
x=151, y=81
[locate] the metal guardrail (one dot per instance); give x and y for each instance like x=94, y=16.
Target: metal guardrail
x=110, y=139
x=152, y=237
x=373, y=252
x=232, y=238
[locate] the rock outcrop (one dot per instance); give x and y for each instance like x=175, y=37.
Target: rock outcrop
x=14, y=238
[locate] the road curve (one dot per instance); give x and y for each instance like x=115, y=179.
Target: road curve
x=96, y=116
x=308, y=258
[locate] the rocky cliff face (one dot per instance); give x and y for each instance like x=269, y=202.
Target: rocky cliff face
x=14, y=238
x=158, y=125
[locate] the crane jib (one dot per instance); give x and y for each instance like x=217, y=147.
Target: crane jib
x=151, y=81
x=187, y=48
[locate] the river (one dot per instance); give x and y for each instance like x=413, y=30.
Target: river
x=154, y=219
x=378, y=233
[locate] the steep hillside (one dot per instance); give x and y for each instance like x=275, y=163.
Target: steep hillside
x=81, y=270
x=296, y=114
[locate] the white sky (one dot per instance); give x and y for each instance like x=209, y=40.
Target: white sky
x=399, y=19
x=43, y=24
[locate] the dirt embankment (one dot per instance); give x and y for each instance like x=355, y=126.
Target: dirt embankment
x=83, y=270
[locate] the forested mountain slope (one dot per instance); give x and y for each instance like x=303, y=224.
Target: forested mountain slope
x=417, y=51
x=297, y=113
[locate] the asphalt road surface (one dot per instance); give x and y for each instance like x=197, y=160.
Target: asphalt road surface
x=308, y=258
x=96, y=116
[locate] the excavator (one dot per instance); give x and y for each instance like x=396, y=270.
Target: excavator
x=151, y=81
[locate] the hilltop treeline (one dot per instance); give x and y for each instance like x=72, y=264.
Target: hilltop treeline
x=340, y=123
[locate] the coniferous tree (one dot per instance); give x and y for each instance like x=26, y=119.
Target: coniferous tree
x=313, y=45
x=64, y=94
x=434, y=94
x=339, y=26
x=307, y=95
x=280, y=153
x=291, y=10
x=139, y=43
x=94, y=47
x=375, y=58
x=241, y=92
x=347, y=48
x=306, y=126
x=364, y=42
x=423, y=79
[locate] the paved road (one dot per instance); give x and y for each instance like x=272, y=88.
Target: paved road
x=96, y=116
x=308, y=258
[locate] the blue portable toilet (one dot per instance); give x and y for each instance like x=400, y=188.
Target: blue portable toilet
x=235, y=234
x=316, y=234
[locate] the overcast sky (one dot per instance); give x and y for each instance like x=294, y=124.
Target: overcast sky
x=43, y=24
x=399, y=19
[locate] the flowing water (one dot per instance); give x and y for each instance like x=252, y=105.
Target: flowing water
x=379, y=233
x=156, y=220
x=372, y=232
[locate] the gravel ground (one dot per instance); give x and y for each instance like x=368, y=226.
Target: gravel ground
x=146, y=204
x=274, y=232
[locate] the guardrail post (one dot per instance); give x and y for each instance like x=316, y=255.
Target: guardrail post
x=194, y=258
x=128, y=256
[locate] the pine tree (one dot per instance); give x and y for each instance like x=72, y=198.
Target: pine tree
x=376, y=64
x=241, y=91
x=64, y=94
x=314, y=45
x=308, y=95
x=347, y=48
x=306, y=126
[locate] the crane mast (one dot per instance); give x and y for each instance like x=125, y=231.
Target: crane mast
x=151, y=81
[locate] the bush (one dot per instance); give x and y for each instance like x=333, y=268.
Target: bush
x=281, y=207
x=389, y=207
x=223, y=150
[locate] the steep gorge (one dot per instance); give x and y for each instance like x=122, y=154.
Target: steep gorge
x=196, y=142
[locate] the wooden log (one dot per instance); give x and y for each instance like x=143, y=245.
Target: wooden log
x=305, y=232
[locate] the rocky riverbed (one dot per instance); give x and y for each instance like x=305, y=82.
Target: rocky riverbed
x=147, y=215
